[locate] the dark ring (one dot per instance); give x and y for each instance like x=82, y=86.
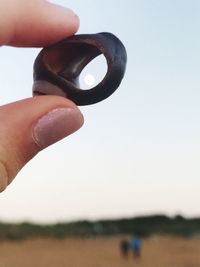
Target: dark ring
x=57, y=68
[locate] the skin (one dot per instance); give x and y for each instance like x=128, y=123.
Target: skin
x=32, y=23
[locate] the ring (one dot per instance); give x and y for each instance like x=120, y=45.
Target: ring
x=57, y=68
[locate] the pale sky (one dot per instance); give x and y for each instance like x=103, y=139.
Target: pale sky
x=139, y=150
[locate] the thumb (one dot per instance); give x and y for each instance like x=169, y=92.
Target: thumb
x=30, y=125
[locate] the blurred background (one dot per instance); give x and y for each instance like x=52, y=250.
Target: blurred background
x=138, y=152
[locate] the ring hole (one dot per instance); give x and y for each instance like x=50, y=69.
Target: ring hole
x=93, y=73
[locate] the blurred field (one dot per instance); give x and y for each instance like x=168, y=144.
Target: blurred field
x=101, y=252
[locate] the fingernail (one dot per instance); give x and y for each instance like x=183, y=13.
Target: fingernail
x=65, y=11
x=70, y=11
x=67, y=15
x=56, y=125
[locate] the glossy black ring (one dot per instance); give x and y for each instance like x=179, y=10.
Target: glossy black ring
x=61, y=64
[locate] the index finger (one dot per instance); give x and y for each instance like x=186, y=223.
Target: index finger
x=35, y=23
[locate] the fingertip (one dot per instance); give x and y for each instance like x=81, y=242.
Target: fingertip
x=64, y=21
x=56, y=125
x=38, y=24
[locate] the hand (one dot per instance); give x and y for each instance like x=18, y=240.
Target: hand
x=29, y=125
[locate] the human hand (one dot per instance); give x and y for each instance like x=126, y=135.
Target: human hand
x=30, y=125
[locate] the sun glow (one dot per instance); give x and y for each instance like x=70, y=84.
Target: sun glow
x=89, y=80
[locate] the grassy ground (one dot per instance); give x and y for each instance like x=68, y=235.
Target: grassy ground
x=101, y=252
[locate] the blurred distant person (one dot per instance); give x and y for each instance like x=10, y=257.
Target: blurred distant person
x=124, y=248
x=135, y=246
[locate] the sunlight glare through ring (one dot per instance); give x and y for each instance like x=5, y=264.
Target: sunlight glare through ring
x=89, y=80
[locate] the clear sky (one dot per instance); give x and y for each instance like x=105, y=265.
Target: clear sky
x=139, y=150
